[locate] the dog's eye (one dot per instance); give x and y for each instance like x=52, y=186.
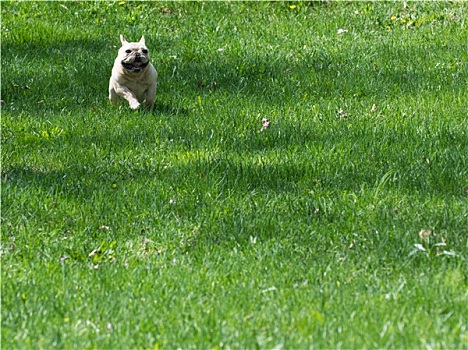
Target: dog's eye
x=128, y=51
x=144, y=51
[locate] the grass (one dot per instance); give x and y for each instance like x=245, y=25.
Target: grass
x=192, y=227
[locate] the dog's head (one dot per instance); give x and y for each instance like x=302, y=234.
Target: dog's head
x=134, y=57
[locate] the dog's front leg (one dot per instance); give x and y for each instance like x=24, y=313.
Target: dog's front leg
x=113, y=97
x=150, y=93
x=129, y=96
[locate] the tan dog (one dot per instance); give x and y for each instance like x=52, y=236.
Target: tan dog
x=133, y=76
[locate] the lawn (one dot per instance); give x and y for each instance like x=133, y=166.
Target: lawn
x=344, y=224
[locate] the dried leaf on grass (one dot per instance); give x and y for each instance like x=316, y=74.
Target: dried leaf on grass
x=424, y=234
x=265, y=124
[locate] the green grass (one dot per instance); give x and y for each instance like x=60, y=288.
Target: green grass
x=191, y=227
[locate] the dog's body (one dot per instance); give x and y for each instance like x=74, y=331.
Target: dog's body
x=133, y=76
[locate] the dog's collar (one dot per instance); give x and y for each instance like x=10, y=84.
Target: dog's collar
x=131, y=68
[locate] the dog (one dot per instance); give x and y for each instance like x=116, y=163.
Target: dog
x=133, y=76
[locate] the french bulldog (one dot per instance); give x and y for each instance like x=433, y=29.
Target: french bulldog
x=133, y=76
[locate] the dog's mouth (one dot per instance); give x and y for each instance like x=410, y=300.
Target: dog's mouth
x=135, y=66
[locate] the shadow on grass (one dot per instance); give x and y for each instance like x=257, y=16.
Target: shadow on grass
x=323, y=76
x=75, y=73
x=262, y=163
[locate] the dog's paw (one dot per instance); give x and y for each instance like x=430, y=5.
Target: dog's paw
x=134, y=104
x=148, y=106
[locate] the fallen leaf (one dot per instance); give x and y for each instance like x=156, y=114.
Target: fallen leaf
x=271, y=289
x=90, y=255
x=165, y=11
x=420, y=247
x=449, y=253
x=212, y=85
x=265, y=123
x=423, y=234
x=342, y=114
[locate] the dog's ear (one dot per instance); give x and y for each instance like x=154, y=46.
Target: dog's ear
x=122, y=40
x=142, y=40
